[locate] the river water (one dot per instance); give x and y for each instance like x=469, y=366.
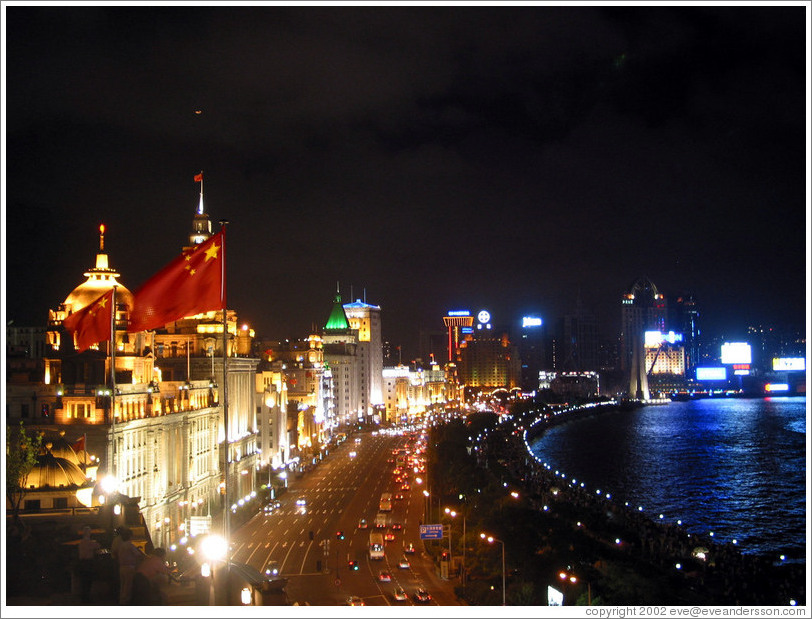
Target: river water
x=736, y=467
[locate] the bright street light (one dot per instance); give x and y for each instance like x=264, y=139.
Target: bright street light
x=490, y=539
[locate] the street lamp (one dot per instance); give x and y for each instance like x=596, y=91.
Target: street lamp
x=573, y=579
x=214, y=549
x=490, y=539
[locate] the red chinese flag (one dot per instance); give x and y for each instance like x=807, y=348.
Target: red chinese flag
x=199, y=178
x=91, y=324
x=192, y=283
x=79, y=445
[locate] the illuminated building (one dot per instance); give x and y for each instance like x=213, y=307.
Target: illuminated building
x=488, y=360
x=531, y=351
x=341, y=357
x=683, y=317
x=459, y=324
x=665, y=361
x=296, y=372
x=161, y=433
x=643, y=308
x=366, y=320
x=408, y=393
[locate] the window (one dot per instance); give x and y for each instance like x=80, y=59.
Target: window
x=61, y=503
x=32, y=505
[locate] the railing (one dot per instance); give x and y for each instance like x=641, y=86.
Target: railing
x=42, y=512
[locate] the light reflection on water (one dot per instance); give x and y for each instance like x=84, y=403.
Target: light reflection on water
x=736, y=467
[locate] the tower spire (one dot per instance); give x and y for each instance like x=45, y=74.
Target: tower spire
x=201, y=225
x=200, y=205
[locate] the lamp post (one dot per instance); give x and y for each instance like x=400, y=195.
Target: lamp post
x=214, y=549
x=490, y=539
x=568, y=576
x=464, y=541
x=453, y=514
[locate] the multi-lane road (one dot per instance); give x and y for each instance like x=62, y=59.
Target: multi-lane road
x=302, y=541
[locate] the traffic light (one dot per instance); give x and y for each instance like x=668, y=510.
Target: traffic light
x=444, y=556
x=353, y=565
x=339, y=534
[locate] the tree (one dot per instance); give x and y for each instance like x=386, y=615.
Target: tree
x=22, y=450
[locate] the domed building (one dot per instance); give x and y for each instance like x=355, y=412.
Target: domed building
x=100, y=279
x=154, y=429
x=56, y=481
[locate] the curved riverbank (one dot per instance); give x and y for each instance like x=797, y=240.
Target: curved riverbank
x=721, y=570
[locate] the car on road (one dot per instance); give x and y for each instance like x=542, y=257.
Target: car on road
x=270, y=506
x=405, y=487
x=408, y=548
x=404, y=563
x=396, y=526
x=421, y=595
x=272, y=569
x=400, y=595
x=362, y=524
x=398, y=497
x=301, y=501
x=354, y=600
x=389, y=536
x=384, y=576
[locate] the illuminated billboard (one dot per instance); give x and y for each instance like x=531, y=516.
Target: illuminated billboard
x=655, y=338
x=789, y=364
x=736, y=352
x=774, y=387
x=711, y=373
x=531, y=321
x=459, y=313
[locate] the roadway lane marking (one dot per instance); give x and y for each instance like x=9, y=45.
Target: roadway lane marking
x=281, y=567
x=304, y=560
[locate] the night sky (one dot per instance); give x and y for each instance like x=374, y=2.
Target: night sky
x=428, y=157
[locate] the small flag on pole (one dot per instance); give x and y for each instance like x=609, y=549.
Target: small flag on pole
x=91, y=324
x=79, y=445
x=191, y=284
x=199, y=178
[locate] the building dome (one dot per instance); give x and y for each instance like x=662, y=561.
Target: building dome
x=53, y=472
x=59, y=447
x=100, y=279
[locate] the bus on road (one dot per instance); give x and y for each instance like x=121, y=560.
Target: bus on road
x=386, y=502
x=376, y=551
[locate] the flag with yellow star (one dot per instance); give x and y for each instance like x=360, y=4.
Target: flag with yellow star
x=191, y=284
x=91, y=324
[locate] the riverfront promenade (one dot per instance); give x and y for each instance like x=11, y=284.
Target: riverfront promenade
x=705, y=571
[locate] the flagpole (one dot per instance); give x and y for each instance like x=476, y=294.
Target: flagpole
x=226, y=515
x=113, y=377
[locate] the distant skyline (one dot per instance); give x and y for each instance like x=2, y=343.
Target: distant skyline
x=426, y=158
